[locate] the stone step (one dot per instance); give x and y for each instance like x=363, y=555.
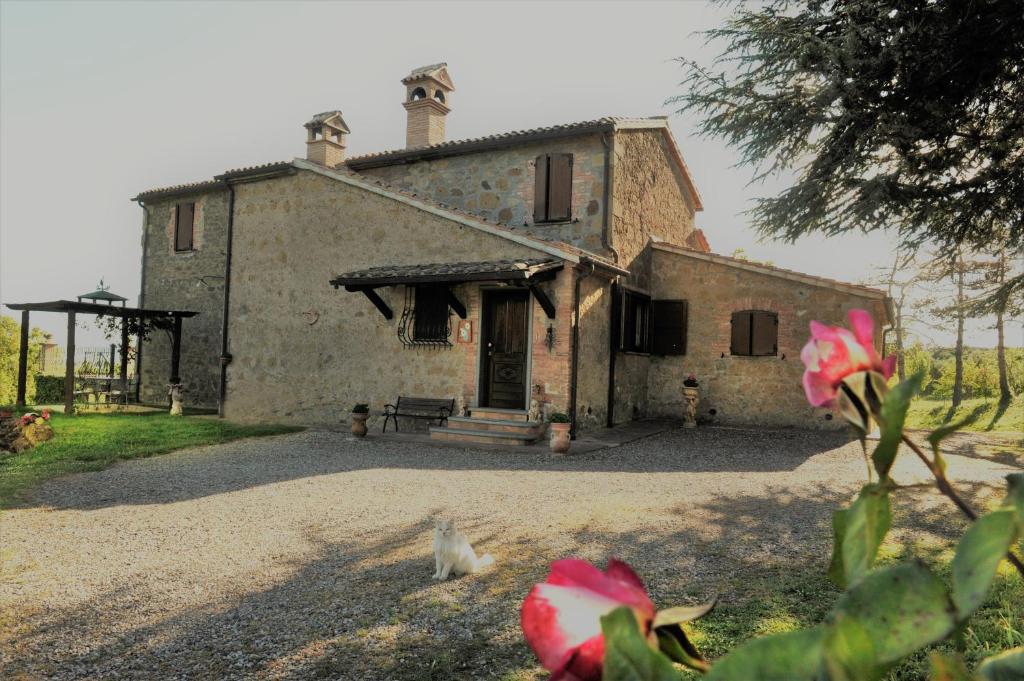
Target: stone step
x=534, y=428
x=499, y=414
x=482, y=437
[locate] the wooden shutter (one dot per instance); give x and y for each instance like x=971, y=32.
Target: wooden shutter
x=740, y=333
x=540, y=189
x=559, y=187
x=183, y=226
x=669, y=323
x=765, y=335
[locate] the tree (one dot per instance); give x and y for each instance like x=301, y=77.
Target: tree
x=900, y=278
x=889, y=112
x=10, y=348
x=995, y=272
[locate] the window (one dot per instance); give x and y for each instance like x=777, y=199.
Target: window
x=552, y=190
x=430, y=317
x=635, y=322
x=668, y=321
x=418, y=93
x=439, y=96
x=755, y=333
x=184, y=219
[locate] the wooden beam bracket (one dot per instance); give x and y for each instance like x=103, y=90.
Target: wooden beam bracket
x=456, y=304
x=543, y=300
x=378, y=302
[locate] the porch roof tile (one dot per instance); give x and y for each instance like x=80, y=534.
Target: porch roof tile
x=448, y=272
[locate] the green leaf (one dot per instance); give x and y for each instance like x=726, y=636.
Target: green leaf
x=982, y=548
x=948, y=668
x=1007, y=666
x=849, y=652
x=627, y=657
x=683, y=613
x=891, y=419
x=1015, y=495
x=835, y=568
x=902, y=608
x=792, y=656
x=867, y=522
x=672, y=641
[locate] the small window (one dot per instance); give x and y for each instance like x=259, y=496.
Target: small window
x=184, y=222
x=635, y=323
x=418, y=93
x=552, y=191
x=439, y=96
x=430, y=322
x=668, y=321
x=755, y=333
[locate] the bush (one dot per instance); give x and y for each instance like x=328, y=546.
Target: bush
x=49, y=389
x=559, y=417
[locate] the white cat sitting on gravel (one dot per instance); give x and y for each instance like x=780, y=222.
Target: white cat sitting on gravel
x=452, y=552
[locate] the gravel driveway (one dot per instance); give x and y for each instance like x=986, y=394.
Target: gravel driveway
x=308, y=555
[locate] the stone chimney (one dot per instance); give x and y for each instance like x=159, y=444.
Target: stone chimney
x=325, y=139
x=427, y=100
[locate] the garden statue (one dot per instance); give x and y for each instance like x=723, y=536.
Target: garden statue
x=175, y=390
x=691, y=393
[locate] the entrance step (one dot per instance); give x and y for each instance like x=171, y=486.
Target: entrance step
x=533, y=428
x=484, y=437
x=499, y=414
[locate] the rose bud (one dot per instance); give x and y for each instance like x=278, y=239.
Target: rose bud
x=561, y=618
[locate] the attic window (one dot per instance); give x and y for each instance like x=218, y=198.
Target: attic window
x=418, y=93
x=439, y=96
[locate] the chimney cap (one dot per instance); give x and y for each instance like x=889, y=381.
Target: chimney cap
x=437, y=72
x=331, y=118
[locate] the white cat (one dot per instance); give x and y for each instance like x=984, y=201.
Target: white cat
x=452, y=552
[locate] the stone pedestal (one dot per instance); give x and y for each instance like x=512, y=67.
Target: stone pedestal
x=690, y=398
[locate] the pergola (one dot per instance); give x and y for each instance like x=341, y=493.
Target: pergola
x=72, y=308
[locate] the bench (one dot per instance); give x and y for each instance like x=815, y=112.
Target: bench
x=418, y=408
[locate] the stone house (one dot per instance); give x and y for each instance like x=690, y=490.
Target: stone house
x=556, y=269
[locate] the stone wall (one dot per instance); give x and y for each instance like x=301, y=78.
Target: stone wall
x=192, y=280
x=592, y=376
x=498, y=185
x=306, y=352
x=743, y=390
x=648, y=200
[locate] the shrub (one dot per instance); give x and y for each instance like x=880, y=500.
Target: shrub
x=49, y=389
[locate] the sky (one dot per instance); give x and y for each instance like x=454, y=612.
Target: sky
x=101, y=100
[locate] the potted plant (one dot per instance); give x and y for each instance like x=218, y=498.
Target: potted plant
x=360, y=413
x=560, y=425
x=691, y=394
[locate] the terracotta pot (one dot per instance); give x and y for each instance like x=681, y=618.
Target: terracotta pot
x=359, y=423
x=559, y=437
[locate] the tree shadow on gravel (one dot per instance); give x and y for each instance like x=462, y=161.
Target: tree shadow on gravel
x=231, y=467
x=369, y=609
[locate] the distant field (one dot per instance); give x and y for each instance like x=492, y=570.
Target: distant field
x=926, y=413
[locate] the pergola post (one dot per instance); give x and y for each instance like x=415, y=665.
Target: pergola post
x=69, y=368
x=176, y=350
x=124, y=359
x=23, y=359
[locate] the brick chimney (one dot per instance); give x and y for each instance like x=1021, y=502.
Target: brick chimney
x=325, y=139
x=427, y=100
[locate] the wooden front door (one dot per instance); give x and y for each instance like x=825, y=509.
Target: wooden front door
x=504, y=349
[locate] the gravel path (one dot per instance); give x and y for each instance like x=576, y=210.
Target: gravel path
x=308, y=555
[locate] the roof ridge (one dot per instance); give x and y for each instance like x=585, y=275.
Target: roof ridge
x=664, y=245
x=603, y=120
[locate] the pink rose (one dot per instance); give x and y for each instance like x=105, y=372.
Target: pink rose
x=833, y=353
x=561, y=618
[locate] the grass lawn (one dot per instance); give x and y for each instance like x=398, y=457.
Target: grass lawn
x=932, y=413
x=92, y=442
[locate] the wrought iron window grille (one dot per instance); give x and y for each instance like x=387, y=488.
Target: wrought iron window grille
x=426, y=318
